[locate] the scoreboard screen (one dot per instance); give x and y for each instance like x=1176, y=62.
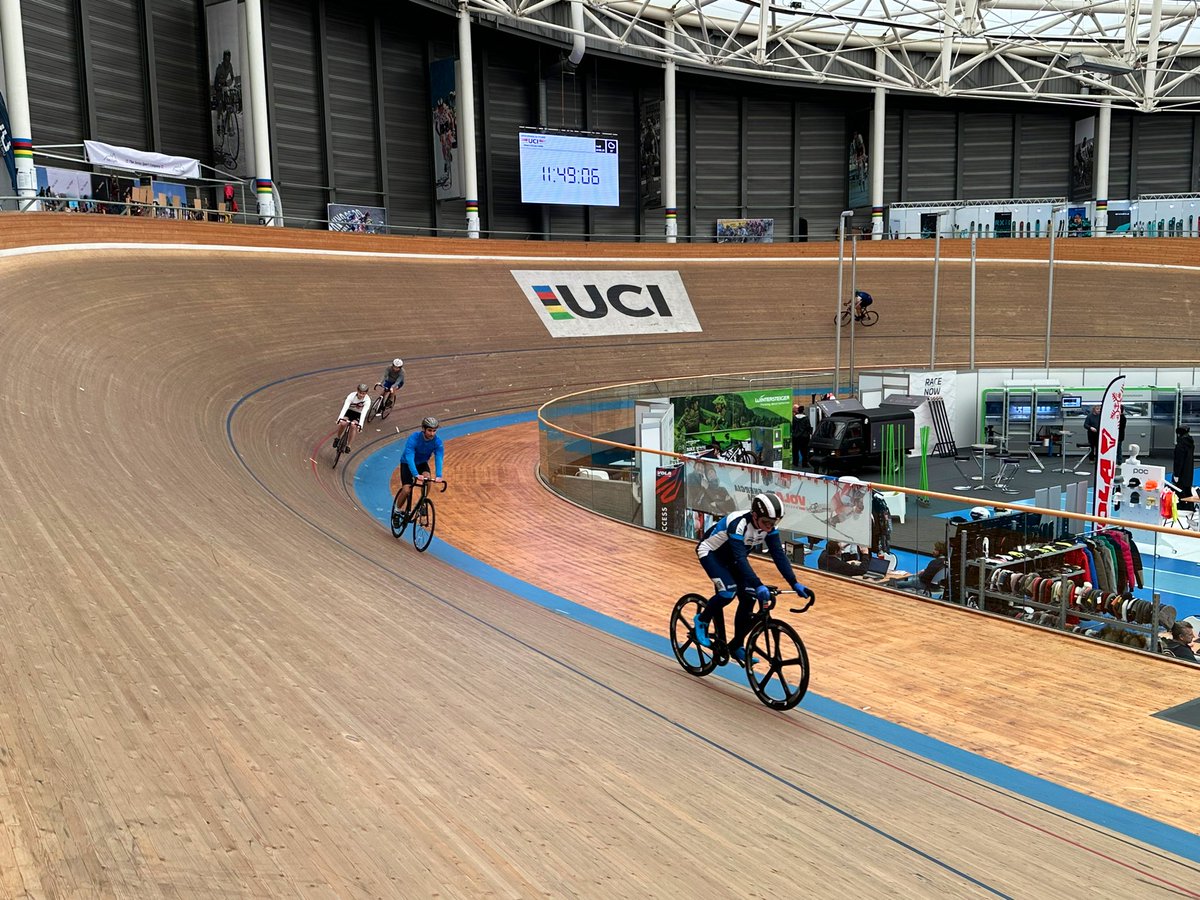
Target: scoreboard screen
x=577, y=169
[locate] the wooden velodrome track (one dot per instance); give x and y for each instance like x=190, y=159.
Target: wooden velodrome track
x=220, y=677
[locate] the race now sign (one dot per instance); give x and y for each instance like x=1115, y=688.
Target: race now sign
x=587, y=304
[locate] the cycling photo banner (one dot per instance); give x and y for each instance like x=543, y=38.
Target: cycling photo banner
x=233, y=151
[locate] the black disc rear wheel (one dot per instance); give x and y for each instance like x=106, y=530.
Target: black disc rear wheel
x=778, y=673
x=694, y=658
x=423, y=524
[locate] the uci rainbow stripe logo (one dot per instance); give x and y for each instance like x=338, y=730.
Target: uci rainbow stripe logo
x=551, y=302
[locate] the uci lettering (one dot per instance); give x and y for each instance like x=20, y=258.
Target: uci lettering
x=600, y=304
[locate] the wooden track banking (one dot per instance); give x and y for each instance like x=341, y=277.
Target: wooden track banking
x=220, y=677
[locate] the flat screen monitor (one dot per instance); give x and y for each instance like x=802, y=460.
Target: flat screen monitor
x=571, y=169
x=1072, y=401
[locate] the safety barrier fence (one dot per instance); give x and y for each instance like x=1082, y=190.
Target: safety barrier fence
x=1131, y=582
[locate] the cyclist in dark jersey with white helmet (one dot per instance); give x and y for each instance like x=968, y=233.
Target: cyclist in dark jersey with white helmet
x=724, y=554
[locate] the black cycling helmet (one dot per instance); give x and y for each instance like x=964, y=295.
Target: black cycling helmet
x=767, y=506
x=430, y=422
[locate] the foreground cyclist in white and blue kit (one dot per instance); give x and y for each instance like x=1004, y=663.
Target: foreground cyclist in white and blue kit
x=724, y=554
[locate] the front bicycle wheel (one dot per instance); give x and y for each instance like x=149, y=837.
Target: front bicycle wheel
x=423, y=523
x=387, y=405
x=339, y=447
x=376, y=408
x=695, y=659
x=778, y=674
x=842, y=318
x=399, y=518
x=869, y=318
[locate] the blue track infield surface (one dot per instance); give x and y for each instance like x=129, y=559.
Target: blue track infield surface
x=372, y=487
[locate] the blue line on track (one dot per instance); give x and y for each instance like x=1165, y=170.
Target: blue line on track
x=372, y=485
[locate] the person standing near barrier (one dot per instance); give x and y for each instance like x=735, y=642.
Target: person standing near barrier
x=1184, y=462
x=1091, y=424
x=801, y=437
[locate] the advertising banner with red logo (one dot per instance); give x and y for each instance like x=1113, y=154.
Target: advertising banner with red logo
x=668, y=497
x=1106, y=451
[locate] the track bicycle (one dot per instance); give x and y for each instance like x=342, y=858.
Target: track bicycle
x=420, y=514
x=866, y=318
x=737, y=452
x=341, y=444
x=777, y=663
x=381, y=405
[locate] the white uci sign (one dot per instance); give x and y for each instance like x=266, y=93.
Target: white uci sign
x=586, y=304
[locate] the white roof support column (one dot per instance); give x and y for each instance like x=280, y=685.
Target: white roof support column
x=264, y=189
x=12, y=37
x=878, y=123
x=948, y=30
x=466, y=118
x=1103, y=139
x=1152, y=54
x=668, y=143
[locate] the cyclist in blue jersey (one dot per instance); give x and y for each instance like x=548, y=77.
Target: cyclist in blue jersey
x=724, y=554
x=861, y=301
x=414, y=465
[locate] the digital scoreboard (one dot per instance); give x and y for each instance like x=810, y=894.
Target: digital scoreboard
x=577, y=169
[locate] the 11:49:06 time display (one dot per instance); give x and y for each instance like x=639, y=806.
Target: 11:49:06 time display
x=570, y=175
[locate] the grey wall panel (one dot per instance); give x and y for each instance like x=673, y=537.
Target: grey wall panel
x=821, y=178
x=612, y=108
x=682, y=199
x=987, y=156
x=53, y=71
x=510, y=103
x=408, y=130
x=181, y=64
x=931, y=155
x=1045, y=147
x=118, y=72
x=352, y=111
x=717, y=160
x=891, y=157
x=768, y=163
x=1164, y=154
x=296, y=115
x=1118, y=159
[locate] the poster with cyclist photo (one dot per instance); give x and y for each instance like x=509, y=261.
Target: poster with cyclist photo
x=227, y=101
x=733, y=424
x=858, y=167
x=819, y=507
x=447, y=160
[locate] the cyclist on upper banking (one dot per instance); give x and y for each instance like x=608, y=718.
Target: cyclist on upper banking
x=724, y=554
x=414, y=465
x=861, y=301
x=393, y=377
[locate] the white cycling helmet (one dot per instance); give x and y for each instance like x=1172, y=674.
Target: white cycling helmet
x=398, y=363
x=767, y=505
x=980, y=512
